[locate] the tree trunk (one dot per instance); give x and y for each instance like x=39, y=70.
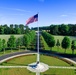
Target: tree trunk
x=11, y=50
x=58, y=48
x=65, y=51
x=25, y=48
x=4, y=50
x=51, y=48
x=19, y=48
x=72, y=51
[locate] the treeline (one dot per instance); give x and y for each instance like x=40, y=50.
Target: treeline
x=49, y=39
x=65, y=44
x=28, y=38
x=12, y=42
x=13, y=29
x=62, y=29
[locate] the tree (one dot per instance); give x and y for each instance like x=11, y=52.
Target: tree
x=58, y=43
x=18, y=43
x=1, y=30
x=18, y=31
x=51, y=41
x=0, y=45
x=16, y=26
x=25, y=40
x=73, y=46
x=27, y=29
x=21, y=26
x=3, y=45
x=12, y=30
x=65, y=43
x=11, y=42
x=28, y=38
x=64, y=29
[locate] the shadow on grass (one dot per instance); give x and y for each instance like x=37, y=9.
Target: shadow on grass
x=15, y=64
x=70, y=56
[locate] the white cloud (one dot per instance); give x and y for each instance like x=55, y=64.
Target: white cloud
x=15, y=9
x=15, y=14
x=64, y=15
x=4, y=20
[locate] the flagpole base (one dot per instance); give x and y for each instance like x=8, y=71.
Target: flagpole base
x=38, y=67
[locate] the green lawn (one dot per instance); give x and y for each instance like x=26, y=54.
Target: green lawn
x=60, y=49
x=61, y=38
x=25, y=60
x=7, y=36
x=45, y=44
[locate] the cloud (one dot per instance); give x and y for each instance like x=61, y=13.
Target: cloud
x=64, y=15
x=16, y=14
x=15, y=9
x=4, y=20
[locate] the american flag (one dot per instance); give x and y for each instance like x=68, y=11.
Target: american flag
x=32, y=19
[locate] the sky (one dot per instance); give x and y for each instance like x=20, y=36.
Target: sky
x=50, y=12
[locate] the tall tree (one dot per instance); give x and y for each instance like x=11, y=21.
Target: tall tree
x=51, y=41
x=11, y=42
x=4, y=45
x=55, y=30
x=0, y=45
x=65, y=43
x=73, y=46
x=58, y=43
x=11, y=25
x=6, y=29
x=25, y=41
x=16, y=26
x=18, y=43
x=17, y=31
x=1, y=30
x=21, y=26
x=64, y=29
x=26, y=29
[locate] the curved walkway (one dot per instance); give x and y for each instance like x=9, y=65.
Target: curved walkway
x=13, y=55
x=17, y=54
x=69, y=61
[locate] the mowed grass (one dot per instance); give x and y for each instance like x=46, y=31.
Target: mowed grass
x=60, y=49
x=6, y=37
x=15, y=71
x=25, y=60
x=61, y=38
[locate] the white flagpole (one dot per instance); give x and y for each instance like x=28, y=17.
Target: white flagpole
x=38, y=57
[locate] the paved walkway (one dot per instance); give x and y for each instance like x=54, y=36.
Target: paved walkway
x=13, y=55
x=16, y=54
x=60, y=67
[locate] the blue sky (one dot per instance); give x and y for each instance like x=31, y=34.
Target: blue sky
x=50, y=11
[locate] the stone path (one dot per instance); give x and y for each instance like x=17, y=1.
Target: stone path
x=60, y=67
